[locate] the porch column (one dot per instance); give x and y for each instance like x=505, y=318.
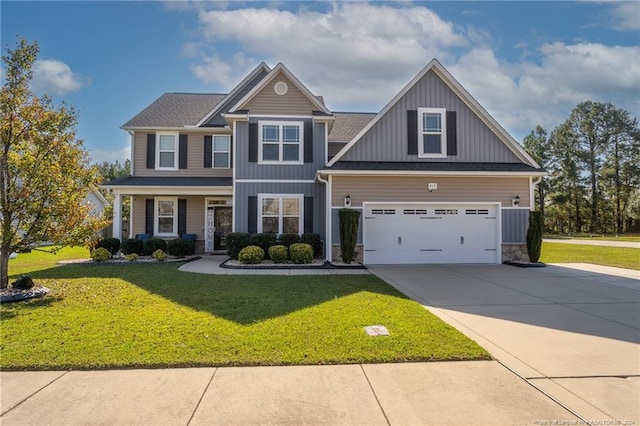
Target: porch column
x=117, y=216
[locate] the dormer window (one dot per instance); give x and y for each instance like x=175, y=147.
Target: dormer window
x=281, y=142
x=166, y=151
x=432, y=135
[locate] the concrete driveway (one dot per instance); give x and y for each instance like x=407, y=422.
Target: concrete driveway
x=571, y=332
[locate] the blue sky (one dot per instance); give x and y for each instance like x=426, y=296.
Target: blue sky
x=527, y=63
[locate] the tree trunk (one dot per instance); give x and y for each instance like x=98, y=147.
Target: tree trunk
x=4, y=269
x=594, y=197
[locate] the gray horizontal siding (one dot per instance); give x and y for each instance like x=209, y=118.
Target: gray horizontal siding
x=515, y=223
x=244, y=190
x=335, y=225
x=387, y=139
x=306, y=171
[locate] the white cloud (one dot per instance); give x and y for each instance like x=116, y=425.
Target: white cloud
x=626, y=15
x=100, y=156
x=51, y=76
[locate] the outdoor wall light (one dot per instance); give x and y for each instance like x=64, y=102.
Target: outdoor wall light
x=347, y=201
x=515, y=201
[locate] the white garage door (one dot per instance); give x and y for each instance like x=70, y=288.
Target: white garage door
x=419, y=233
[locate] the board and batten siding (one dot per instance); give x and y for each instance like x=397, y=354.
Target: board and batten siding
x=387, y=139
x=195, y=159
x=195, y=214
x=414, y=189
x=515, y=223
x=266, y=101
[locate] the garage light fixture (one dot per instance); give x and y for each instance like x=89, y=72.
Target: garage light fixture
x=347, y=201
x=515, y=201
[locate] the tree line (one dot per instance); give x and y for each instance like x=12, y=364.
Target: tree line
x=593, y=160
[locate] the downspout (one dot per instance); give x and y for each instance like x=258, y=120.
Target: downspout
x=532, y=191
x=327, y=218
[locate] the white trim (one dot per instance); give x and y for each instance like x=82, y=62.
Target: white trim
x=263, y=83
x=131, y=203
x=280, y=197
x=273, y=181
x=515, y=208
x=176, y=150
x=279, y=116
x=189, y=129
x=234, y=91
x=281, y=143
x=422, y=132
x=233, y=181
x=352, y=208
x=132, y=136
x=156, y=217
x=213, y=152
x=326, y=142
x=171, y=190
x=465, y=96
x=426, y=173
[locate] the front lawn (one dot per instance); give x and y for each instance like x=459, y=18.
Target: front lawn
x=105, y=316
x=600, y=237
x=621, y=257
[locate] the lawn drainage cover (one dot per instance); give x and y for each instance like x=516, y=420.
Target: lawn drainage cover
x=376, y=330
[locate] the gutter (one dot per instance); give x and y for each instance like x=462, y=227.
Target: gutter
x=327, y=217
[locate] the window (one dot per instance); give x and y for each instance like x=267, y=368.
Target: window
x=432, y=135
x=167, y=151
x=281, y=142
x=221, y=152
x=280, y=214
x=166, y=220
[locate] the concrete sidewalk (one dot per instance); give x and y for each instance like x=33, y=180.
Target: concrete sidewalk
x=479, y=393
x=603, y=243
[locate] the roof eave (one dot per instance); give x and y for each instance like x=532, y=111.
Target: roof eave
x=431, y=173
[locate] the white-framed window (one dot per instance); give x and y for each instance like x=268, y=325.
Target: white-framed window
x=280, y=213
x=432, y=132
x=221, y=152
x=166, y=216
x=166, y=151
x=280, y=142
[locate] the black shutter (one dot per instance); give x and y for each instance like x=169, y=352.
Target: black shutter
x=182, y=152
x=151, y=151
x=308, y=215
x=208, y=151
x=412, y=132
x=253, y=142
x=148, y=219
x=308, y=141
x=452, y=134
x=182, y=217
x=252, y=215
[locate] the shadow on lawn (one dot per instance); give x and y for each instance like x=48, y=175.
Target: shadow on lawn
x=244, y=299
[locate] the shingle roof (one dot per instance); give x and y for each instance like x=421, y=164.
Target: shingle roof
x=432, y=166
x=170, y=181
x=347, y=124
x=176, y=110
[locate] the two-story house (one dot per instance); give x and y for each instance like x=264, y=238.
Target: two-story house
x=437, y=179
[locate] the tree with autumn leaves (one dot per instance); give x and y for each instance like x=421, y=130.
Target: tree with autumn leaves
x=44, y=170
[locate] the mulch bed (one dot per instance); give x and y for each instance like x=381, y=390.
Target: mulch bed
x=122, y=260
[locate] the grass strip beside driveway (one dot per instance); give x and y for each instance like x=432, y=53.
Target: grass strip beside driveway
x=620, y=257
x=111, y=316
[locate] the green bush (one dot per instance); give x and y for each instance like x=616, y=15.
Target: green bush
x=534, y=235
x=288, y=239
x=111, y=244
x=131, y=257
x=279, y=253
x=100, y=254
x=314, y=241
x=180, y=247
x=349, y=220
x=301, y=253
x=132, y=245
x=159, y=255
x=152, y=244
x=264, y=241
x=235, y=242
x=251, y=255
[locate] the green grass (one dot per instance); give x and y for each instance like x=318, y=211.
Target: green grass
x=106, y=316
x=600, y=237
x=621, y=257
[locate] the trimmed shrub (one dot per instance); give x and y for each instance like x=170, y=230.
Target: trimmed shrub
x=131, y=257
x=100, y=254
x=349, y=220
x=301, y=253
x=152, y=244
x=534, y=235
x=288, y=239
x=314, y=241
x=235, y=242
x=111, y=244
x=264, y=241
x=180, y=247
x=251, y=255
x=279, y=253
x=159, y=255
x=132, y=245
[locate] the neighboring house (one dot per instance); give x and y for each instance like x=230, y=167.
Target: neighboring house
x=437, y=179
x=97, y=202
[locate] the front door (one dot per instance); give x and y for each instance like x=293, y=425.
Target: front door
x=217, y=226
